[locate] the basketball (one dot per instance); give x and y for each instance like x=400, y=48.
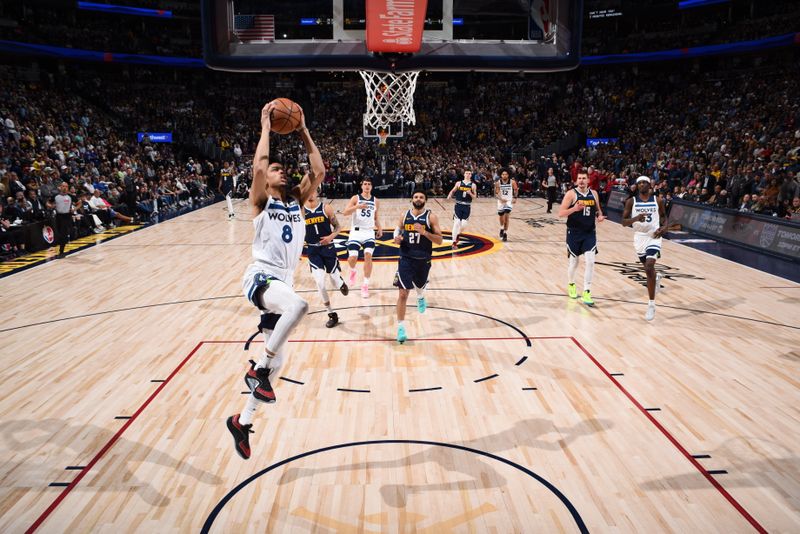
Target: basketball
x=285, y=117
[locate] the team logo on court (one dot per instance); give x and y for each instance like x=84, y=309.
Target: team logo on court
x=387, y=250
x=636, y=272
x=541, y=222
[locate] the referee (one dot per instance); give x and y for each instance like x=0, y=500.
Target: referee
x=63, y=217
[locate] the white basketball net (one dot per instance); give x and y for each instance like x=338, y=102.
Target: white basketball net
x=390, y=98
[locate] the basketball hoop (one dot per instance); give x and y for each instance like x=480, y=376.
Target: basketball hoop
x=390, y=98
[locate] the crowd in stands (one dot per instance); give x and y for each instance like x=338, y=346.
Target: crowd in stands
x=49, y=137
x=725, y=138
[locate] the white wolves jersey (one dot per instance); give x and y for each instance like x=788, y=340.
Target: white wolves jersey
x=364, y=218
x=506, y=190
x=279, y=237
x=652, y=221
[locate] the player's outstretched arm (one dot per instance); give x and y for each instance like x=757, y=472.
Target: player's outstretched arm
x=600, y=216
x=452, y=191
x=662, y=216
x=316, y=173
x=565, y=210
x=335, y=225
x=351, y=207
x=258, y=189
x=436, y=234
x=627, y=220
x=378, y=227
x=398, y=230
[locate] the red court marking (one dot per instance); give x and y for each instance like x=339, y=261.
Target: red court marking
x=671, y=438
x=36, y=524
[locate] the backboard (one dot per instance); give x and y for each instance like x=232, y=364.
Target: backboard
x=329, y=35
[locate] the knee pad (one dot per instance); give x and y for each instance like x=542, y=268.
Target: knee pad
x=368, y=251
x=352, y=252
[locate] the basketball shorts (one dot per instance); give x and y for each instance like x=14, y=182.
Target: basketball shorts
x=579, y=242
x=503, y=207
x=359, y=239
x=647, y=246
x=412, y=273
x=323, y=257
x=462, y=211
x=255, y=281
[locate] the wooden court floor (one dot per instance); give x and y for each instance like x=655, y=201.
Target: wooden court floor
x=511, y=409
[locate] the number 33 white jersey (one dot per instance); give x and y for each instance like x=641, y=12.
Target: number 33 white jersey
x=278, y=241
x=651, y=221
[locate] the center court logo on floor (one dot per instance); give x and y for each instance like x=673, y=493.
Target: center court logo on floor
x=386, y=250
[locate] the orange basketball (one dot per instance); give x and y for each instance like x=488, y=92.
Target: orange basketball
x=285, y=117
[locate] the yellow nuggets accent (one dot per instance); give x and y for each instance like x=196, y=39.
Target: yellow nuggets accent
x=586, y=202
x=315, y=220
x=409, y=227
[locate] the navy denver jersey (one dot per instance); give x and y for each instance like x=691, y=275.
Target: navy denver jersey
x=227, y=180
x=414, y=245
x=317, y=224
x=462, y=193
x=583, y=220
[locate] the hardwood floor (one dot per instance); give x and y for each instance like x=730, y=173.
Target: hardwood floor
x=511, y=408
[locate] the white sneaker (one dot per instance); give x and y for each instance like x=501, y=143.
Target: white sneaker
x=651, y=312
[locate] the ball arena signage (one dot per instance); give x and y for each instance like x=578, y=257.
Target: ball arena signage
x=387, y=250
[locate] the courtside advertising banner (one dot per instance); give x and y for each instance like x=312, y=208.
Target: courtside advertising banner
x=770, y=234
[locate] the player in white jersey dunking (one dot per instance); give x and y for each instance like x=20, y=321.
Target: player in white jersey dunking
x=364, y=228
x=280, y=230
x=647, y=215
x=465, y=191
x=505, y=190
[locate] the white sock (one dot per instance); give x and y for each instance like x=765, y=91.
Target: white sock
x=456, y=229
x=328, y=305
x=246, y=417
x=420, y=292
x=401, y=323
x=589, y=270
x=366, y=281
x=651, y=303
x=230, y=205
x=571, y=268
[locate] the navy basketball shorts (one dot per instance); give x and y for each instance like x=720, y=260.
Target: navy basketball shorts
x=579, y=242
x=323, y=258
x=462, y=211
x=412, y=272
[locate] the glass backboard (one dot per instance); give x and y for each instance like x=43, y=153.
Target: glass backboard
x=329, y=35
